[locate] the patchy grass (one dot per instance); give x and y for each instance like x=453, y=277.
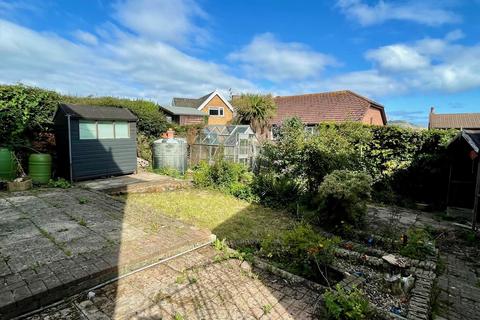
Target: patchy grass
x=225, y=215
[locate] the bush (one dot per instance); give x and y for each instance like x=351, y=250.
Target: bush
x=343, y=196
x=25, y=112
x=342, y=304
x=229, y=177
x=301, y=250
x=419, y=244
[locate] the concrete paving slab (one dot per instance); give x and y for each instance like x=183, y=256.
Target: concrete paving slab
x=55, y=242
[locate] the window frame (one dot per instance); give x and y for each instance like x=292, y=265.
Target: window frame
x=220, y=110
x=115, y=129
x=96, y=123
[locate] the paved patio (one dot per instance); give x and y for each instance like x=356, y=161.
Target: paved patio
x=138, y=182
x=193, y=286
x=55, y=242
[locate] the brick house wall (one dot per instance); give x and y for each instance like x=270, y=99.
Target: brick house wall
x=373, y=116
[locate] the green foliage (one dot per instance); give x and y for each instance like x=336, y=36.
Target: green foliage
x=229, y=177
x=151, y=121
x=24, y=112
x=59, y=183
x=26, y=117
x=301, y=249
x=255, y=110
x=167, y=171
x=144, y=146
x=419, y=244
x=342, y=197
x=405, y=164
x=342, y=304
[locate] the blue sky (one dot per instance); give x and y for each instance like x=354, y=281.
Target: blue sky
x=407, y=55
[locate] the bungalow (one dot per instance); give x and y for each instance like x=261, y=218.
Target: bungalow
x=453, y=120
x=336, y=106
x=212, y=109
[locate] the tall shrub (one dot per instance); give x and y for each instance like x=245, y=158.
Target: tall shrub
x=25, y=112
x=342, y=197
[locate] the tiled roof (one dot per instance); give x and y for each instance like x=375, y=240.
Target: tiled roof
x=189, y=102
x=337, y=106
x=454, y=121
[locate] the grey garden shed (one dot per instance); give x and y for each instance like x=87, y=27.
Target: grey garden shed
x=94, y=141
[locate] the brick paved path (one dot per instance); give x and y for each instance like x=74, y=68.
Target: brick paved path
x=193, y=286
x=459, y=296
x=54, y=243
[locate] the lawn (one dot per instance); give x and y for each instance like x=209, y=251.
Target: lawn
x=225, y=215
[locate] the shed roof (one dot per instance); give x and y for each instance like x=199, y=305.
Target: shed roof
x=182, y=111
x=89, y=112
x=454, y=121
x=337, y=106
x=472, y=137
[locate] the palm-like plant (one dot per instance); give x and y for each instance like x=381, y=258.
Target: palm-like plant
x=256, y=110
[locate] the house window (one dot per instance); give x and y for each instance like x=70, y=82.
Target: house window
x=215, y=111
x=88, y=130
x=122, y=130
x=310, y=129
x=105, y=130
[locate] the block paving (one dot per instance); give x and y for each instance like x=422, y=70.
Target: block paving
x=194, y=286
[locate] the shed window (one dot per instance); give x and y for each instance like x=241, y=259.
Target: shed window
x=105, y=130
x=122, y=130
x=88, y=130
x=214, y=111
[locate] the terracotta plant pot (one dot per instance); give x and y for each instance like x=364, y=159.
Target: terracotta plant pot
x=23, y=185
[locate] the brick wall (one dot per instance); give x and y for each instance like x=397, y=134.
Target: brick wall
x=373, y=116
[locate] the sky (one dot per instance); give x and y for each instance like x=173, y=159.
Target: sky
x=407, y=55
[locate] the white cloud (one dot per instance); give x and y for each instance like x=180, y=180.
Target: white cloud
x=430, y=64
x=165, y=20
x=430, y=13
x=398, y=58
x=125, y=66
x=85, y=37
x=268, y=58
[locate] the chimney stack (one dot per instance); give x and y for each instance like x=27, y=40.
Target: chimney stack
x=432, y=109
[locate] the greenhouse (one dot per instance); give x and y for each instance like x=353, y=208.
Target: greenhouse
x=236, y=143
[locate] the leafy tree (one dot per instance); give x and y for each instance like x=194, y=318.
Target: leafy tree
x=256, y=110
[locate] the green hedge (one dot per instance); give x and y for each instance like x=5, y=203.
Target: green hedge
x=25, y=111
x=151, y=122
x=404, y=163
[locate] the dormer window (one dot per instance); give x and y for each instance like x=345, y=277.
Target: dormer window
x=215, y=111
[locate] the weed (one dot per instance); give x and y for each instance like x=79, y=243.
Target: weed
x=82, y=222
x=83, y=200
x=266, y=308
x=341, y=304
x=419, y=244
x=178, y=316
x=192, y=280
x=59, y=183
x=181, y=279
